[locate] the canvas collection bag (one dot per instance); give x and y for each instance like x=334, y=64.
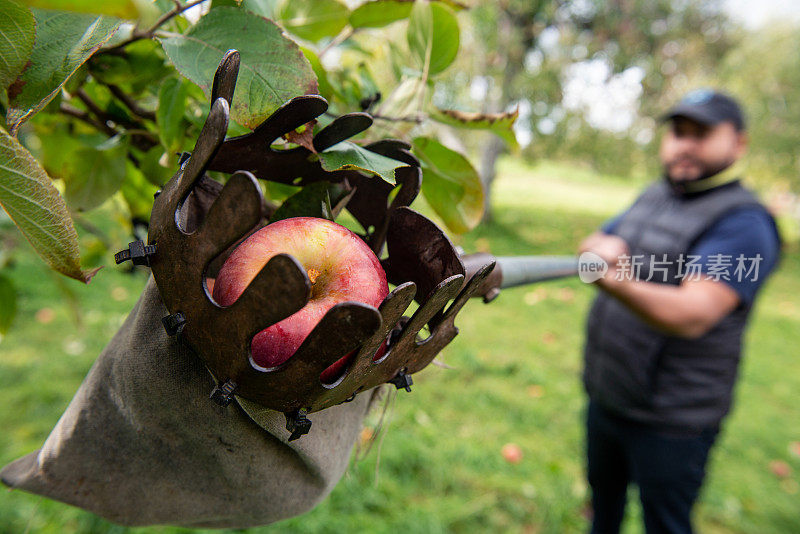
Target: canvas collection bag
x=141, y=443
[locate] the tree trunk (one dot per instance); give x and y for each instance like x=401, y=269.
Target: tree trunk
x=488, y=172
x=494, y=146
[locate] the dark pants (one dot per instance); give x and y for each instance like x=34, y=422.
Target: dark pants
x=668, y=468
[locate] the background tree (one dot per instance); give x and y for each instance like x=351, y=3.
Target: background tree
x=526, y=54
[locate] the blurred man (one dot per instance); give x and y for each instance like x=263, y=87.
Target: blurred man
x=664, y=334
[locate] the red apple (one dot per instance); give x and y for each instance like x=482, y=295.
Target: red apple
x=512, y=453
x=340, y=266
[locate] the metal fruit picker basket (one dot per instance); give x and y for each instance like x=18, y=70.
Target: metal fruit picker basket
x=420, y=261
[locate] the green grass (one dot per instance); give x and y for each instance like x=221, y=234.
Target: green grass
x=515, y=378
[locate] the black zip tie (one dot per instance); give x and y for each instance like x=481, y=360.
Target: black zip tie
x=297, y=423
x=174, y=323
x=137, y=252
x=402, y=381
x=223, y=395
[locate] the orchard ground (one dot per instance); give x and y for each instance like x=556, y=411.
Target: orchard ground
x=515, y=378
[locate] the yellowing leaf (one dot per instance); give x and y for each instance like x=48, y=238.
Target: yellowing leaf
x=500, y=124
x=29, y=198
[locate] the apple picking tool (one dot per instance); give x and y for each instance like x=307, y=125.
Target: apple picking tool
x=183, y=251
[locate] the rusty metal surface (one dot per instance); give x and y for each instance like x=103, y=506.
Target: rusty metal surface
x=419, y=251
x=490, y=288
x=421, y=261
x=370, y=202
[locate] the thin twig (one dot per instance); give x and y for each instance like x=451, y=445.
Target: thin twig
x=98, y=112
x=130, y=103
x=166, y=17
x=345, y=34
x=81, y=115
x=418, y=119
x=148, y=34
x=91, y=105
x=142, y=138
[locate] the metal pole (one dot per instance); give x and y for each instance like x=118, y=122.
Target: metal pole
x=522, y=270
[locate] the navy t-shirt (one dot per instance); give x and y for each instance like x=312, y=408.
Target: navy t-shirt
x=740, y=249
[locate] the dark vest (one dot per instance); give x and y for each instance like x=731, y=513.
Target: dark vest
x=640, y=373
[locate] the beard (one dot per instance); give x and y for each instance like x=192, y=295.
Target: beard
x=705, y=170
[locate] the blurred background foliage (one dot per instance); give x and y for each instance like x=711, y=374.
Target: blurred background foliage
x=591, y=79
x=581, y=85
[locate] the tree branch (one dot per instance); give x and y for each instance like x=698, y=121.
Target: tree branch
x=345, y=34
x=130, y=103
x=140, y=136
x=417, y=119
x=90, y=104
x=81, y=115
x=148, y=34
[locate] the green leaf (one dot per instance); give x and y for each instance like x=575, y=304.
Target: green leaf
x=450, y=184
x=16, y=41
x=169, y=115
x=93, y=176
x=278, y=192
x=142, y=66
x=500, y=124
x=351, y=157
x=64, y=41
x=404, y=101
x=33, y=203
x=379, y=13
x=117, y=8
x=137, y=192
x=311, y=201
x=272, y=71
x=152, y=168
x=8, y=304
x=325, y=88
x=367, y=84
x=433, y=36
x=313, y=20
x=265, y=8
x=58, y=149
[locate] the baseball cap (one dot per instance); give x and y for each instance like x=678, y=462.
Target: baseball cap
x=708, y=107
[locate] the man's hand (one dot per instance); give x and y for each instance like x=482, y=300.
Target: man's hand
x=688, y=310
x=609, y=248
